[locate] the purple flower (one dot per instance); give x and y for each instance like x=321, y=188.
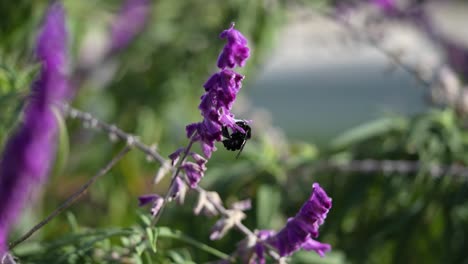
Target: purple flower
x=235, y=51
x=130, y=21
x=29, y=152
x=300, y=229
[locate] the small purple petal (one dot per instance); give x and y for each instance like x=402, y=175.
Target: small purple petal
x=320, y=248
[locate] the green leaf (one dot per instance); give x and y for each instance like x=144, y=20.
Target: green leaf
x=152, y=235
x=368, y=130
x=310, y=257
x=175, y=234
x=268, y=205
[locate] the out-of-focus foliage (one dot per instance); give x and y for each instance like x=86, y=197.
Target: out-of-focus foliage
x=152, y=90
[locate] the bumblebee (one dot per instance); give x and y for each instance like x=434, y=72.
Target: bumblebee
x=236, y=140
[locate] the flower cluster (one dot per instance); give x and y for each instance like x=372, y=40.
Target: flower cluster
x=29, y=152
x=300, y=231
x=215, y=106
x=216, y=103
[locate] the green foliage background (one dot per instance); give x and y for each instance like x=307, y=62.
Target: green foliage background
x=154, y=91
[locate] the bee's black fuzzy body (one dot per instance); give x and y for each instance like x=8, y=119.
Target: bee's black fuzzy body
x=236, y=140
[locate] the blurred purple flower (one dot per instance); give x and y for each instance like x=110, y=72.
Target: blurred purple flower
x=385, y=4
x=300, y=229
x=129, y=22
x=29, y=152
x=259, y=248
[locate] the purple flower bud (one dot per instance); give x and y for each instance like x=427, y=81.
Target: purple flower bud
x=157, y=205
x=178, y=190
x=201, y=161
x=129, y=22
x=175, y=156
x=194, y=172
x=29, y=153
x=235, y=51
x=146, y=199
x=243, y=205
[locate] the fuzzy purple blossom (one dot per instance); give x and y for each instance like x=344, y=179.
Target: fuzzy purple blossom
x=129, y=22
x=29, y=152
x=236, y=51
x=304, y=226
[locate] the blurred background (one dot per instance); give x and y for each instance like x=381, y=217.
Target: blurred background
x=366, y=98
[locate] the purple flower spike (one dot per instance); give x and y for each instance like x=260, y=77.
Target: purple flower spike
x=235, y=51
x=52, y=51
x=130, y=21
x=300, y=229
x=29, y=153
x=215, y=105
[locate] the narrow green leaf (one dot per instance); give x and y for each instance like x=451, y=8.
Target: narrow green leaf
x=166, y=232
x=268, y=204
x=368, y=130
